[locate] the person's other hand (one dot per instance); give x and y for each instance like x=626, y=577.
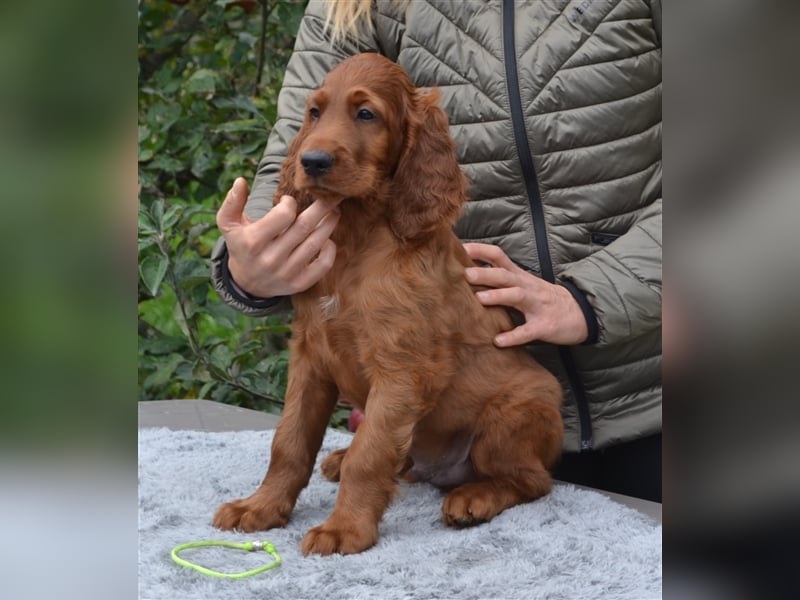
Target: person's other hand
x=551, y=313
x=281, y=253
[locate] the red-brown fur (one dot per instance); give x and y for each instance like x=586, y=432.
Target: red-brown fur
x=404, y=338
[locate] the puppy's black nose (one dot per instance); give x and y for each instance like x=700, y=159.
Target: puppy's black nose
x=316, y=162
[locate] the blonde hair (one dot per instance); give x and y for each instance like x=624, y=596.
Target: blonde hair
x=346, y=18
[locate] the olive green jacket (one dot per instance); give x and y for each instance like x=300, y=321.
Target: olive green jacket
x=555, y=108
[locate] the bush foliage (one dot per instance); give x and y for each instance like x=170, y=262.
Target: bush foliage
x=209, y=76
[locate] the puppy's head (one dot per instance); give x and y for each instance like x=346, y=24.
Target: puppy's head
x=369, y=133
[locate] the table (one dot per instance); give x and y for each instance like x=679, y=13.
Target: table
x=206, y=415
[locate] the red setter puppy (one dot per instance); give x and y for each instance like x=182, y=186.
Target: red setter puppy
x=395, y=328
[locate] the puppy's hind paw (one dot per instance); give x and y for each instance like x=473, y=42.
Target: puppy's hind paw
x=332, y=465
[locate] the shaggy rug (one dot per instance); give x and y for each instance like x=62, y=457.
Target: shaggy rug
x=572, y=544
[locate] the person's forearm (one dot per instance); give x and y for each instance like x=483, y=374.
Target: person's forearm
x=622, y=281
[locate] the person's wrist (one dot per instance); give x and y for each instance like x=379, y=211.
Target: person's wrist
x=587, y=312
x=240, y=294
x=234, y=277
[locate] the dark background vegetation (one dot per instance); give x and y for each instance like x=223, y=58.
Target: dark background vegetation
x=209, y=77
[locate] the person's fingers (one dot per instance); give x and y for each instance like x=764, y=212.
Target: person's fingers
x=277, y=220
x=507, y=296
x=305, y=252
x=231, y=214
x=303, y=226
x=308, y=220
x=523, y=334
x=490, y=277
x=489, y=253
x=317, y=268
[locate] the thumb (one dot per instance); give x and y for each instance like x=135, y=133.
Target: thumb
x=231, y=214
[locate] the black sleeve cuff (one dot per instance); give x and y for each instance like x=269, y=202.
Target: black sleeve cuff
x=586, y=308
x=239, y=294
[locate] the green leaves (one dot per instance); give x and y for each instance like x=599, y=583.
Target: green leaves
x=202, y=81
x=201, y=125
x=152, y=270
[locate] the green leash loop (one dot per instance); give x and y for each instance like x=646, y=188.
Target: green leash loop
x=249, y=546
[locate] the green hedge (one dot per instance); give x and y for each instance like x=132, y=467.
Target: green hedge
x=209, y=76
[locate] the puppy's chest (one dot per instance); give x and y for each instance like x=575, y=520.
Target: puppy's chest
x=340, y=337
x=343, y=315
x=348, y=313
x=352, y=294
x=328, y=308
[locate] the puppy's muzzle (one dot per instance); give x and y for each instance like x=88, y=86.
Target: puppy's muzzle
x=316, y=162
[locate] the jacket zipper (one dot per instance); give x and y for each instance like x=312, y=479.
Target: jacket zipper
x=537, y=210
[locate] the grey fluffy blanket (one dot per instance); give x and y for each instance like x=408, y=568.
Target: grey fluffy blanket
x=572, y=544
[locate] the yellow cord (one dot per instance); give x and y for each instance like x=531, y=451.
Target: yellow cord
x=249, y=546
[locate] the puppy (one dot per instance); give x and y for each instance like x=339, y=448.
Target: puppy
x=395, y=328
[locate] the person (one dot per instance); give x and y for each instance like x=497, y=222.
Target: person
x=556, y=113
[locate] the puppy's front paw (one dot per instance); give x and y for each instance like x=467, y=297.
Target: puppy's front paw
x=337, y=536
x=249, y=514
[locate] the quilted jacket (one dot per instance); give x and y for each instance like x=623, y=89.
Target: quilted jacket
x=555, y=108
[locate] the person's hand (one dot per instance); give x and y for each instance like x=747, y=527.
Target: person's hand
x=551, y=313
x=281, y=253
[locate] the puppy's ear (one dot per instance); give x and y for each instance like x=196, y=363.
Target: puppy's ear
x=286, y=186
x=428, y=188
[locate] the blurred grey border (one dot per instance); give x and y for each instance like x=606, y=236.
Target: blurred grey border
x=732, y=273
x=68, y=510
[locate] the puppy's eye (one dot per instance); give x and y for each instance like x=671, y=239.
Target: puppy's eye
x=313, y=112
x=365, y=115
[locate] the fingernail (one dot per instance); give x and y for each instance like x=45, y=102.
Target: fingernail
x=470, y=274
x=499, y=340
x=481, y=296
